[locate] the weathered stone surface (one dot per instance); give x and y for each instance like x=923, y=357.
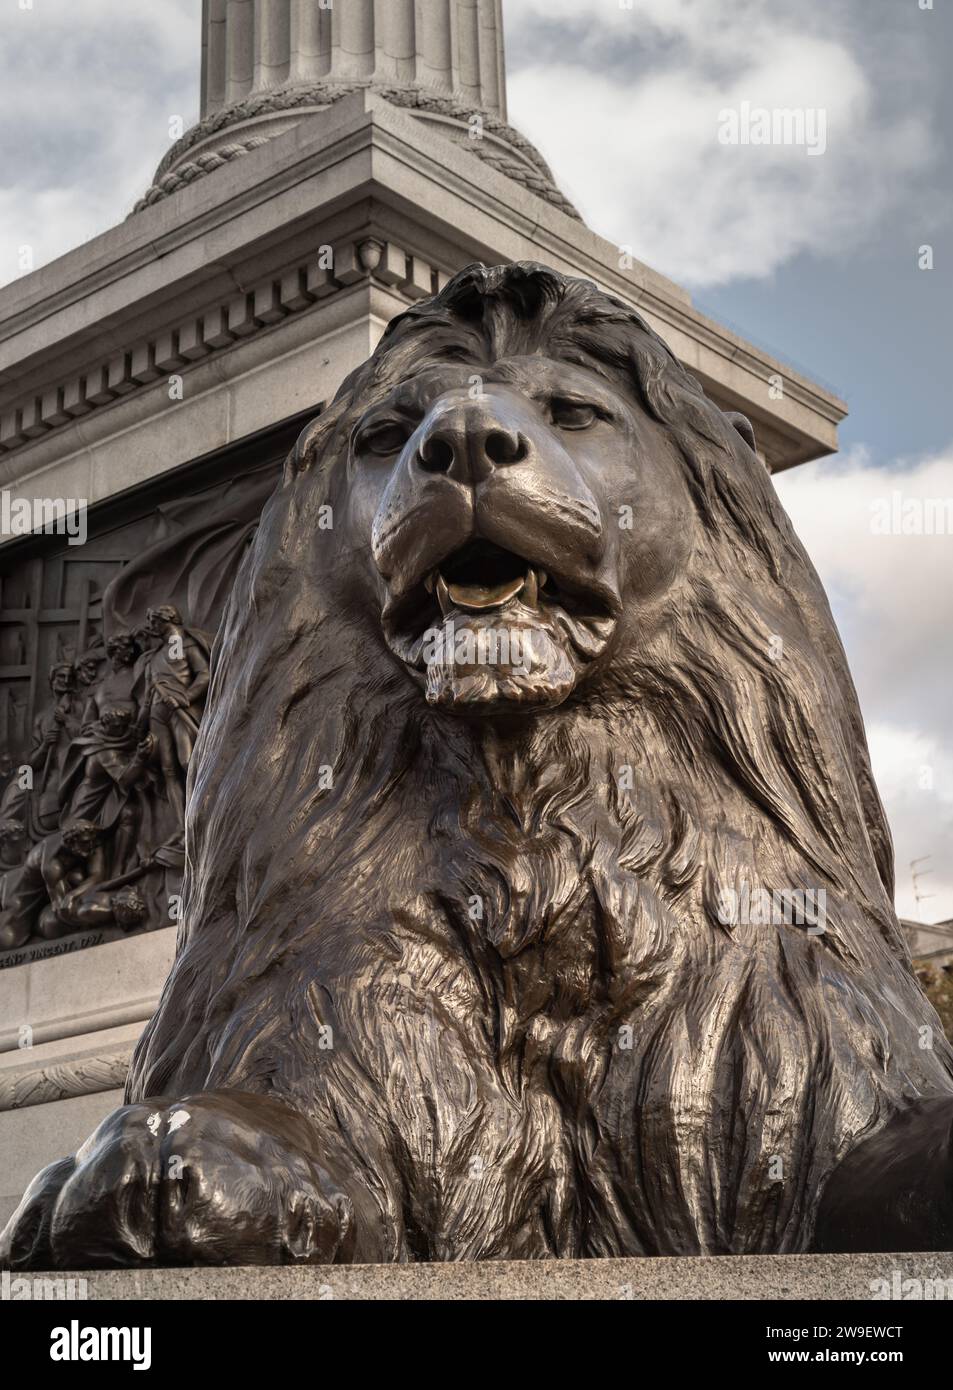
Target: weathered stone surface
x=33, y=1137
x=69, y=995
x=443, y=48
x=743, y=1277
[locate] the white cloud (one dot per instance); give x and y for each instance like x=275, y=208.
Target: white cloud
x=915, y=776
x=891, y=597
x=91, y=88
x=625, y=102
x=657, y=179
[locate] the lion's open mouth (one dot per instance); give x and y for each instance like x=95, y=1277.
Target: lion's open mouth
x=482, y=575
x=480, y=584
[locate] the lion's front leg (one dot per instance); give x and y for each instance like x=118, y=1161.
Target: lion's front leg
x=215, y=1178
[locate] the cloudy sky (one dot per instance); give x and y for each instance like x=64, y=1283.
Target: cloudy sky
x=813, y=257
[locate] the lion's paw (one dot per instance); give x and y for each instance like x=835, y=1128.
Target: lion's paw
x=216, y=1178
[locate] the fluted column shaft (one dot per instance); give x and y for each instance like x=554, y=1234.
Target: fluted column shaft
x=453, y=48
x=272, y=43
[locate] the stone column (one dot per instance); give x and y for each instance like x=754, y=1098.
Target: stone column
x=310, y=42
x=272, y=43
x=396, y=50
x=453, y=48
x=239, y=49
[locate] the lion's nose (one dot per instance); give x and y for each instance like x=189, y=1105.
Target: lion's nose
x=468, y=445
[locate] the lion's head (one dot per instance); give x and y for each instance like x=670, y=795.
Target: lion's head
x=521, y=514
x=526, y=625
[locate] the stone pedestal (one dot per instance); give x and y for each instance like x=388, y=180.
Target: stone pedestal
x=68, y=1026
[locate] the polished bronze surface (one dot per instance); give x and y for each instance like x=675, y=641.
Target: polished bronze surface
x=525, y=703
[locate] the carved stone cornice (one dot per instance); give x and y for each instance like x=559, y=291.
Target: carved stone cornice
x=477, y=130
x=223, y=324
x=316, y=96
x=65, y=1080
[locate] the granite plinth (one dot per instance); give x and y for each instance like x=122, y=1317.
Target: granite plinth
x=861, y=1278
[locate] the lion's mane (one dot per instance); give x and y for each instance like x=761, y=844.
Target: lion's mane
x=599, y=1046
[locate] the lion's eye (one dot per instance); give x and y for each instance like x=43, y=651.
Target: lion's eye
x=572, y=415
x=384, y=439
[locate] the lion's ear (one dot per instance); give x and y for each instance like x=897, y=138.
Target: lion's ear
x=744, y=427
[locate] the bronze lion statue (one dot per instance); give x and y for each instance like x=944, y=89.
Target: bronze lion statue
x=526, y=700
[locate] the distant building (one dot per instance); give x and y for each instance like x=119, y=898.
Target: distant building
x=933, y=942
